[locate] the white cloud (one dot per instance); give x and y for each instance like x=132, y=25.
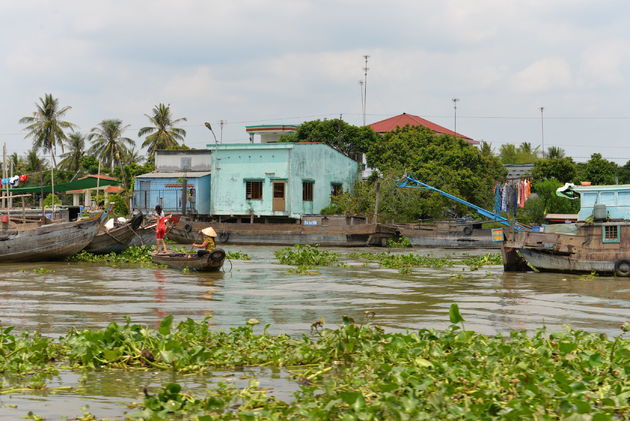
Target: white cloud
x=543, y=75
x=602, y=63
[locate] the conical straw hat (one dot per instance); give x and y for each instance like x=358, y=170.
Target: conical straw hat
x=209, y=232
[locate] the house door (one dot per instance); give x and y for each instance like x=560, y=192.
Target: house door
x=279, y=201
x=143, y=195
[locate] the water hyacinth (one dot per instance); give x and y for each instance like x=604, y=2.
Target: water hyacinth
x=306, y=255
x=357, y=370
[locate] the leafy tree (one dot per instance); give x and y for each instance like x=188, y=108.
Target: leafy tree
x=624, y=173
x=48, y=201
x=547, y=201
x=598, y=170
x=341, y=136
x=108, y=142
x=76, y=150
x=445, y=162
x=89, y=164
x=523, y=154
x=46, y=127
x=162, y=134
x=562, y=169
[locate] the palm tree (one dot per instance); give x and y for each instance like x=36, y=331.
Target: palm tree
x=33, y=162
x=46, y=127
x=132, y=156
x=162, y=134
x=554, y=152
x=108, y=142
x=76, y=150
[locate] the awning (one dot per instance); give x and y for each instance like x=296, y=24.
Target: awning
x=88, y=182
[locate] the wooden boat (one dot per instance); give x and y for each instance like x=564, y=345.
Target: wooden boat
x=210, y=262
x=324, y=233
x=599, y=242
x=46, y=242
x=116, y=239
x=602, y=247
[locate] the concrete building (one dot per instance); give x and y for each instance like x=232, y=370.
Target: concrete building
x=232, y=181
x=165, y=187
x=277, y=179
x=269, y=132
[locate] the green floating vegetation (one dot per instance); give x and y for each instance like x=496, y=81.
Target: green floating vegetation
x=405, y=262
x=357, y=371
x=133, y=254
x=400, y=242
x=475, y=262
x=237, y=255
x=306, y=256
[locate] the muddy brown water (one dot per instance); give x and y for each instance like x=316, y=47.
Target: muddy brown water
x=53, y=297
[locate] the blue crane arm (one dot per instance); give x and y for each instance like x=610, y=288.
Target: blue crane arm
x=411, y=183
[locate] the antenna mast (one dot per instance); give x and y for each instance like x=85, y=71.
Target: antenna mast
x=365, y=73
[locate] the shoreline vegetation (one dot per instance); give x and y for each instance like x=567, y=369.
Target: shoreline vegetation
x=353, y=371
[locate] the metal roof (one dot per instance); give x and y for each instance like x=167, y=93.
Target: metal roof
x=179, y=174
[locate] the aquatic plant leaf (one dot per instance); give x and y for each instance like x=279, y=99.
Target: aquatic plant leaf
x=165, y=325
x=421, y=362
x=454, y=314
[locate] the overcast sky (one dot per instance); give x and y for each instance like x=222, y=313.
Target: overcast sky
x=273, y=62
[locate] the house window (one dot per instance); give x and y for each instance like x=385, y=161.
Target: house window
x=610, y=234
x=336, y=189
x=307, y=191
x=253, y=190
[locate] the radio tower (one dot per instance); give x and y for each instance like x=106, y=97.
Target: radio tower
x=365, y=72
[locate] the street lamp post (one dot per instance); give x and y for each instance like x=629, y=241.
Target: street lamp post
x=542, y=131
x=455, y=115
x=211, y=131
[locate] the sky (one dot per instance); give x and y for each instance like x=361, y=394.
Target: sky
x=250, y=62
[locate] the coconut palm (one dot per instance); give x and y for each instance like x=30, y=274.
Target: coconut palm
x=108, y=142
x=132, y=156
x=33, y=162
x=46, y=126
x=76, y=150
x=555, y=152
x=162, y=134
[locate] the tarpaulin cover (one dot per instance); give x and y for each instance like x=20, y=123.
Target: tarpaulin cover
x=84, y=183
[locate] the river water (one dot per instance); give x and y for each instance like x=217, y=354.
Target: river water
x=53, y=297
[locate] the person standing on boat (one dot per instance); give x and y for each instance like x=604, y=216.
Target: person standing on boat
x=208, y=244
x=160, y=230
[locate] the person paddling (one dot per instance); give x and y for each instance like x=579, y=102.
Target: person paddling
x=208, y=244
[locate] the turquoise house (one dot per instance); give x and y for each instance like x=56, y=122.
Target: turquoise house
x=277, y=179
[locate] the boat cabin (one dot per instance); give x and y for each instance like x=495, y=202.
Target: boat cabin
x=599, y=202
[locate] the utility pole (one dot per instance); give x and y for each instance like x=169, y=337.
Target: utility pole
x=455, y=115
x=362, y=103
x=221, y=123
x=365, y=72
x=542, y=131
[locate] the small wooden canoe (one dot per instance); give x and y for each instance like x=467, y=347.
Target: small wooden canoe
x=116, y=239
x=211, y=262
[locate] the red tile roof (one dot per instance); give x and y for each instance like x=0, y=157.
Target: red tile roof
x=404, y=119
